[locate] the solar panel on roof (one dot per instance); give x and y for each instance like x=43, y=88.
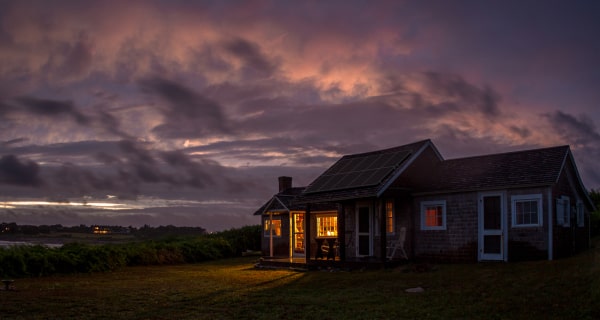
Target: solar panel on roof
x=358, y=171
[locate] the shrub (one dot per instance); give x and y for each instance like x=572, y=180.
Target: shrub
x=22, y=261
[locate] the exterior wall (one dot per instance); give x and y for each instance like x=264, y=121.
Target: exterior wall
x=572, y=239
x=281, y=245
x=350, y=216
x=418, y=174
x=528, y=243
x=459, y=241
x=402, y=205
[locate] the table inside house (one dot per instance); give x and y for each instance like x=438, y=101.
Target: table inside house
x=325, y=245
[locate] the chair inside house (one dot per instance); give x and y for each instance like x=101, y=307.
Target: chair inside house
x=398, y=245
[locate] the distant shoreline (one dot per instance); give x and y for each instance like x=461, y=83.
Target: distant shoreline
x=11, y=243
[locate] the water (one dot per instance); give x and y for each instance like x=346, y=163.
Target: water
x=6, y=244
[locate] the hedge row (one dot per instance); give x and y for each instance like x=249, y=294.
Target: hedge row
x=27, y=261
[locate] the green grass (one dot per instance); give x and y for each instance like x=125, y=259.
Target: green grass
x=234, y=289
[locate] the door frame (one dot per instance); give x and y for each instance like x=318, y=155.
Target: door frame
x=369, y=206
x=293, y=234
x=503, y=255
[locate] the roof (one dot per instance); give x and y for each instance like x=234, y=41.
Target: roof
x=538, y=167
x=281, y=202
x=369, y=175
x=362, y=175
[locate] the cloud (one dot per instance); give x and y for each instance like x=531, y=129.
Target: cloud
x=580, y=131
x=78, y=57
x=19, y=172
x=186, y=112
x=75, y=180
x=252, y=57
x=53, y=108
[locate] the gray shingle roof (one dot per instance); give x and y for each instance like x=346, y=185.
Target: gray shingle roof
x=538, y=167
x=282, y=201
x=528, y=168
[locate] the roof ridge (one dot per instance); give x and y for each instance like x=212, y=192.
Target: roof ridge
x=507, y=153
x=386, y=150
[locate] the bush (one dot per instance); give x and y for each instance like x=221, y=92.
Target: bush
x=243, y=239
x=24, y=261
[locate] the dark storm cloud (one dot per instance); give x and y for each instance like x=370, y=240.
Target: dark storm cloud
x=521, y=131
x=53, y=108
x=580, y=131
x=582, y=135
x=174, y=168
x=13, y=142
x=455, y=87
x=77, y=180
x=19, y=172
x=251, y=56
x=187, y=113
x=111, y=124
x=62, y=152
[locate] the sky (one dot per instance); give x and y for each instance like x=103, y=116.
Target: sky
x=186, y=112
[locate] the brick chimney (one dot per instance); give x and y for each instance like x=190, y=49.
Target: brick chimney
x=285, y=183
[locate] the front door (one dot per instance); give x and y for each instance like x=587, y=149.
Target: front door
x=298, y=234
x=364, y=243
x=491, y=227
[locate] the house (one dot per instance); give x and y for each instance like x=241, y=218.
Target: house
x=408, y=202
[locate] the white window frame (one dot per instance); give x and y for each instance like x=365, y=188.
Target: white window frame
x=433, y=203
x=527, y=198
x=563, y=211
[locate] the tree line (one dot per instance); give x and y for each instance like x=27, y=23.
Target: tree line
x=145, y=231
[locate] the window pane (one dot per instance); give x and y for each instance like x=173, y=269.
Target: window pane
x=492, y=244
x=433, y=216
x=389, y=209
x=363, y=220
x=327, y=226
x=526, y=212
x=276, y=227
x=492, y=211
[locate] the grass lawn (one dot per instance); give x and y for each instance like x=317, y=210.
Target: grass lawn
x=234, y=289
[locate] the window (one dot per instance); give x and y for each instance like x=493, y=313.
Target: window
x=276, y=227
x=527, y=210
x=433, y=215
x=563, y=211
x=389, y=217
x=327, y=225
x=580, y=214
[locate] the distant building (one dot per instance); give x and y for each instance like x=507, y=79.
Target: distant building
x=109, y=230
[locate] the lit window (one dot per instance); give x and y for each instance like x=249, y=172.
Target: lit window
x=276, y=227
x=527, y=210
x=389, y=215
x=327, y=226
x=433, y=215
